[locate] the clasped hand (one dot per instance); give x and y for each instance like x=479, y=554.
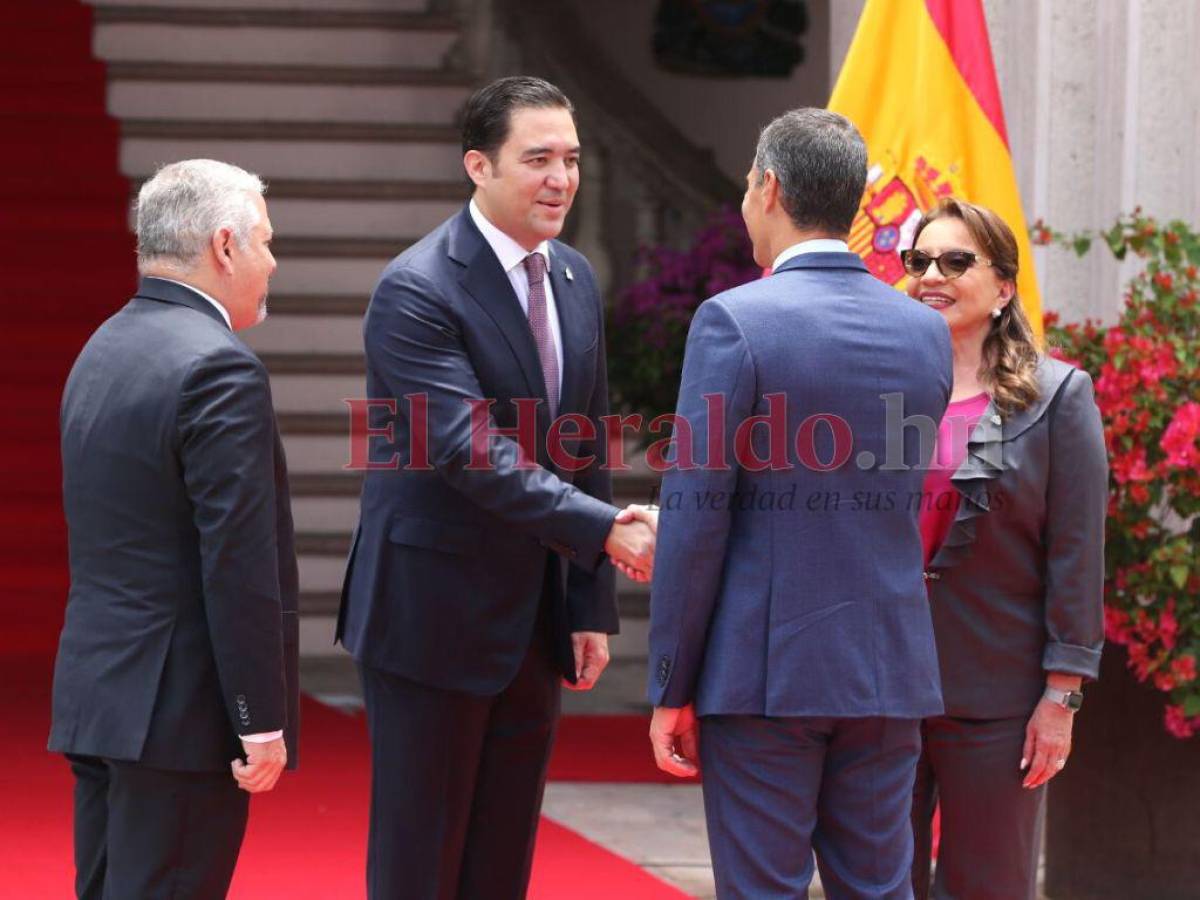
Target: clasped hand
x=631, y=542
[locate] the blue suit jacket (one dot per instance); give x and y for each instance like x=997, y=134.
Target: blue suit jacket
x=793, y=591
x=448, y=566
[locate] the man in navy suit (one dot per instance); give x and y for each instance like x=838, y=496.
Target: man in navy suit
x=791, y=649
x=479, y=576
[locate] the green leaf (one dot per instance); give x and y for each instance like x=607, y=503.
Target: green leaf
x=1179, y=575
x=1082, y=244
x=1116, y=241
x=1191, y=705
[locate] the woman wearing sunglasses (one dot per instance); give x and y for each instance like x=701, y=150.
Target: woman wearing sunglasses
x=1012, y=519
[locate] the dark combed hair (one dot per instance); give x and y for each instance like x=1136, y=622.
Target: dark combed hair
x=487, y=116
x=1010, y=350
x=820, y=160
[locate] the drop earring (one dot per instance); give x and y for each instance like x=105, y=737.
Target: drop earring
x=996, y=313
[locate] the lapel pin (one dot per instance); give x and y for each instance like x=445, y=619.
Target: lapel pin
x=568, y=274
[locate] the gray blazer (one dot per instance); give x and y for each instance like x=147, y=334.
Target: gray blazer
x=1016, y=589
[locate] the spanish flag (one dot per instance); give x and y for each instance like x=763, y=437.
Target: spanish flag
x=920, y=85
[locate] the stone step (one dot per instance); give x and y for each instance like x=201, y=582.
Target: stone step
x=302, y=130
x=323, y=159
x=401, y=221
x=305, y=334
x=317, y=453
x=259, y=101
x=316, y=514
x=330, y=15
x=315, y=393
x=272, y=5
x=325, y=306
x=321, y=276
x=339, y=247
x=268, y=37
x=335, y=364
x=256, y=73
x=348, y=227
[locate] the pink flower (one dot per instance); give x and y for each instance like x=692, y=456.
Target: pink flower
x=1177, y=723
x=1184, y=669
x=1179, y=441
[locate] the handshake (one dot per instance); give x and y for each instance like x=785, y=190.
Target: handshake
x=630, y=543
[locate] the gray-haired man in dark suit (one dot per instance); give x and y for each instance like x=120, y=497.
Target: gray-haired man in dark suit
x=175, y=689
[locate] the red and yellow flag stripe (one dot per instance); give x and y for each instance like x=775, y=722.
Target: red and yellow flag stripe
x=920, y=84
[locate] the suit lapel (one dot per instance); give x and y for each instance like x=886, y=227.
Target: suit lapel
x=484, y=279
x=985, y=462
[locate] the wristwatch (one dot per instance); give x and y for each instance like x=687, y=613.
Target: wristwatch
x=1068, y=700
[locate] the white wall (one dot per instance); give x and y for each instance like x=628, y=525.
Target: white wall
x=724, y=115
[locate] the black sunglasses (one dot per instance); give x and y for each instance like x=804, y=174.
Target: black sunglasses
x=951, y=264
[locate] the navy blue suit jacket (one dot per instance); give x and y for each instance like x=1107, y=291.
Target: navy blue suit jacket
x=448, y=565
x=181, y=628
x=792, y=591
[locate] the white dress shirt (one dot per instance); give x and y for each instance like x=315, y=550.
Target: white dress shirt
x=265, y=736
x=191, y=287
x=819, y=245
x=512, y=258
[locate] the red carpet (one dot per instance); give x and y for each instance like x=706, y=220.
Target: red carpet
x=607, y=748
x=307, y=839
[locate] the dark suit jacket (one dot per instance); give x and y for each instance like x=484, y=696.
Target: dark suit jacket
x=447, y=566
x=1017, y=587
x=181, y=628
x=792, y=591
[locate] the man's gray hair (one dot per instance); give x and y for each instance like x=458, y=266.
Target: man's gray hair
x=820, y=160
x=180, y=208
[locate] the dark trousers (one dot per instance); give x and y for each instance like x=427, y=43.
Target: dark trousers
x=457, y=782
x=778, y=789
x=991, y=831
x=145, y=834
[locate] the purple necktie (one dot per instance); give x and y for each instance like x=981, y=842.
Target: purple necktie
x=539, y=324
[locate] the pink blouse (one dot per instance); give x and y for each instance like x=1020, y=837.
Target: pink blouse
x=939, y=503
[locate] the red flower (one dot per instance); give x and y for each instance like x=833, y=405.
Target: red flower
x=1164, y=280
x=1164, y=681
x=1168, y=625
x=1180, y=440
x=1184, y=669
x=1177, y=723
x=1116, y=625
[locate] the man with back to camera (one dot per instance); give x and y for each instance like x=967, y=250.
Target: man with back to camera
x=791, y=647
x=472, y=590
x=178, y=655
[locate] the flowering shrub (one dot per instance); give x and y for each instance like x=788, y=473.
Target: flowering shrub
x=647, y=326
x=1146, y=369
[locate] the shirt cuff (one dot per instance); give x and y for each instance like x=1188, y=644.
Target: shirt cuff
x=264, y=737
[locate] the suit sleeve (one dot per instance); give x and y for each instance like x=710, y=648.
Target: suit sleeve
x=226, y=435
x=1076, y=509
x=591, y=597
x=414, y=344
x=692, y=533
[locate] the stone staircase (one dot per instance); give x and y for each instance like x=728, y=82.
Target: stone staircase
x=346, y=108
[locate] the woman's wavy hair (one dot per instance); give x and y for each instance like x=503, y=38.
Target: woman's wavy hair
x=1010, y=350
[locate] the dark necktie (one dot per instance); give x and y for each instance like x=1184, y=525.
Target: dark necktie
x=539, y=324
